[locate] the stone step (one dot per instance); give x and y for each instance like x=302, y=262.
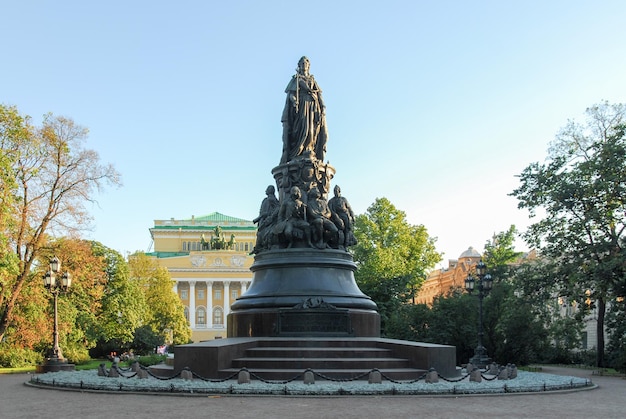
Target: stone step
x=316, y=343
x=319, y=363
x=335, y=358
x=318, y=352
x=214, y=359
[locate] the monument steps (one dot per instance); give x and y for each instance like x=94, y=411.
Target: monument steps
x=316, y=352
x=304, y=362
x=333, y=358
x=285, y=358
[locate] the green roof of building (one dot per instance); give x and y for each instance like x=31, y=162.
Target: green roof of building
x=206, y=222
x=217, y=217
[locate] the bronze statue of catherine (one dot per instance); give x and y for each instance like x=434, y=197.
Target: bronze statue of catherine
x=304, y=117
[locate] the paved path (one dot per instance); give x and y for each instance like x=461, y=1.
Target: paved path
x=607, y=401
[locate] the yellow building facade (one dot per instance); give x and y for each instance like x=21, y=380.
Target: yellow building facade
x=209, y=259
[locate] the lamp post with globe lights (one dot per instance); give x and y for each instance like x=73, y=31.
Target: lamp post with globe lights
x=482, y=283
x=56, y=282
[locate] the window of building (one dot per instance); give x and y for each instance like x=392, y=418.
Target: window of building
x=187, y=314
x=233, y=294
x=200, y=294
x=218, y=294
x=184, y=295
x=584, y=340
x=218, y=316
x=201, y=315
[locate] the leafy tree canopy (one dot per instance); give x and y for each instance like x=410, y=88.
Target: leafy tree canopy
x=47, y=176
x=393, y=256
x=581, y=193
x=165, y=312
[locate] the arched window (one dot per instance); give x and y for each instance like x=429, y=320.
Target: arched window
x=201, y=316
x=218, y=316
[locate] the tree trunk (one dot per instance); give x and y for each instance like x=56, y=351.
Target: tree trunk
x=7, y=313
x=600, y=333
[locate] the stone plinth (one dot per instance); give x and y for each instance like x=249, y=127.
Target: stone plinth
x=303, y=292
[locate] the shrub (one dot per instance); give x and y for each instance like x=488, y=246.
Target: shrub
x=14, y=357
x=76, y=355
x=146, y=340
x=148, y=360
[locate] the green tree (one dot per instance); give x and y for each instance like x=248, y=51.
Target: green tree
x=393, y=257
x=522, y=336
x=15, y=130
x=500, y=253
x=165, y=312
x=83, y=302
x=499, y=256
x=410, y=322
x=582, y=191
x=124, y=307
x=50, y=178
x=535, y=285
x=146, y=340
x=453, y=322
x=616, y=320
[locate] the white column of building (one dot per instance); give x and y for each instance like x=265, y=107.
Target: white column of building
x=175, y=287
x=192, y=304
x=209, y=304
x=244, y=287
x=226, y=300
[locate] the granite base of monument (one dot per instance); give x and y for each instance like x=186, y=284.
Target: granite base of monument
x=303, y=292
x=304, y=310
x=285, y=358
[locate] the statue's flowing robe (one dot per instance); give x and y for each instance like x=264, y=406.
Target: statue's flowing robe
x=304, y=118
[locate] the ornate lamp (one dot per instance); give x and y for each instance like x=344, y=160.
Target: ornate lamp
x=55, y=282
x=483, y=283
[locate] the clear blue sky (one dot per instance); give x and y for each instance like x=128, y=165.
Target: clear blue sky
x=435, y=105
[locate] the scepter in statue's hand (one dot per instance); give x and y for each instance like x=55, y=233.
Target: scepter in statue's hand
x=297, y=102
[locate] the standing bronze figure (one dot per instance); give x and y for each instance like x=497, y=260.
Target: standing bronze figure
x=304, y=117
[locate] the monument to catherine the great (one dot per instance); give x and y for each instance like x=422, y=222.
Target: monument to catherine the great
x=303, y=309
x=303, y=276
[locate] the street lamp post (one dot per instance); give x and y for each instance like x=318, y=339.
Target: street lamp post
x=483, y=284
x=56, y=282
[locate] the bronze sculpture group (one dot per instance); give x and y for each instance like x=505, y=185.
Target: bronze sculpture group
x=302, y=216
x=217, y=242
